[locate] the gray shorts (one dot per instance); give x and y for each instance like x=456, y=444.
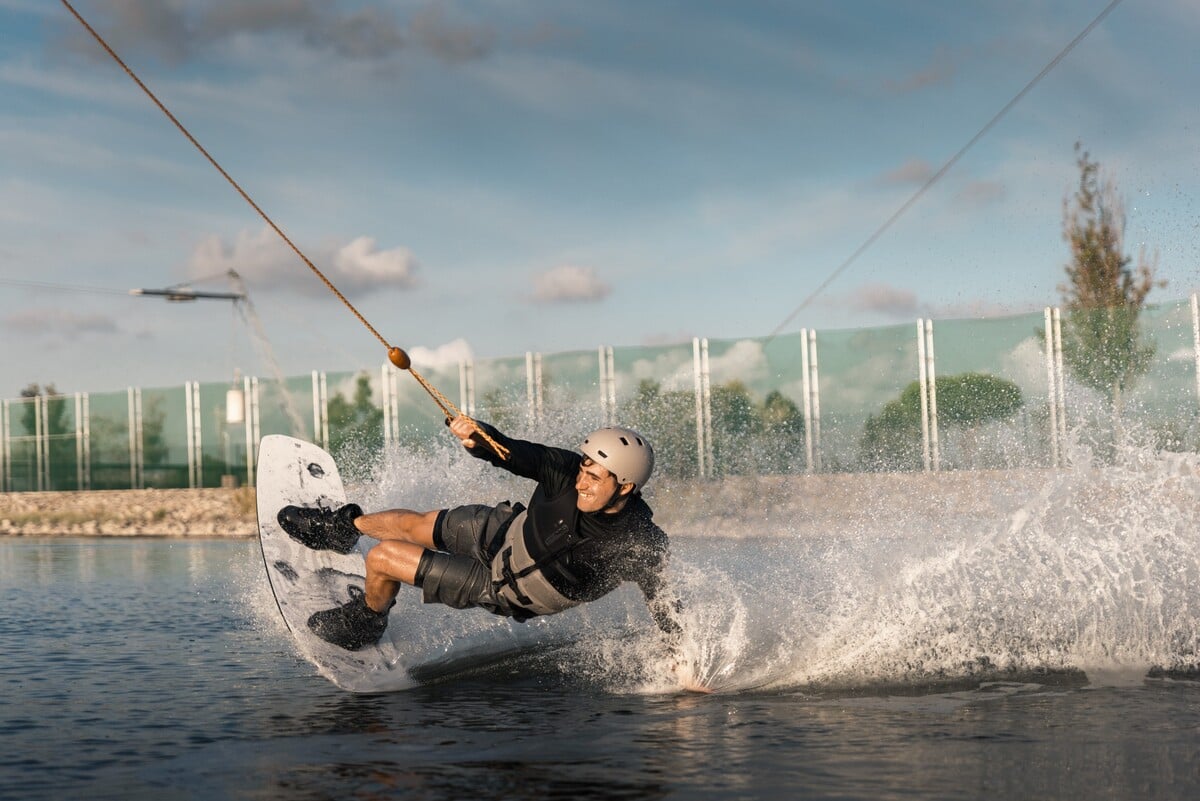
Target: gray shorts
x=460, y=572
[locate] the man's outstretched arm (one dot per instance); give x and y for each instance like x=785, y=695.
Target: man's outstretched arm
x=664, y=605
x=525, y=459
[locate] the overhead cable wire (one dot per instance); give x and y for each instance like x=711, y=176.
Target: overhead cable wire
x=870, y=240
x=63, y=287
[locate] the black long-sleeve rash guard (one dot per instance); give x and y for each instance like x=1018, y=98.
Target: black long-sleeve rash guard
x=599, y=550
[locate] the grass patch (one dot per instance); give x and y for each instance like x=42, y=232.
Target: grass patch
x=67, y=518
x=245, y=501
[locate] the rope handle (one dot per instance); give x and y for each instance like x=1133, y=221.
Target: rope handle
x=400, y=359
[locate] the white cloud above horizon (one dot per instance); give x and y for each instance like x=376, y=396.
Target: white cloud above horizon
x=262, y=257
x=58, y=323
x=569, y=284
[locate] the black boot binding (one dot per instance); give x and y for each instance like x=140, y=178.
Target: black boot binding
x=322, y=529
x=352, y=626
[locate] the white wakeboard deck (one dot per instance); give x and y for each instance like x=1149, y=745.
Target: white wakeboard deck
x=298, y=473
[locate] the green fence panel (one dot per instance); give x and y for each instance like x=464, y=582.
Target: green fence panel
x=1164, y=400
x=164, y=438
x=1012, y=350
x=861, y=413
x=108, y=427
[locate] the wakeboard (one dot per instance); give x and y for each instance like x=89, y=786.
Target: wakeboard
x=294, y=472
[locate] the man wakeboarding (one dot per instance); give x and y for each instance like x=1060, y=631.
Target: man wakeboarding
x=585, y=530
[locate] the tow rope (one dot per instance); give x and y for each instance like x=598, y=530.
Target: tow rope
x=397, y=356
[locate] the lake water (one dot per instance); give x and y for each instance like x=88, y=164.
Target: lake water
x=1048, y=655
x=144, y=669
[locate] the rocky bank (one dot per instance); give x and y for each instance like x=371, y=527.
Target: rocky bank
x=731, y=507
x=130, y=513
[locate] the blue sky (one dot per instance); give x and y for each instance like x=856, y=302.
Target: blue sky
x=524, y=175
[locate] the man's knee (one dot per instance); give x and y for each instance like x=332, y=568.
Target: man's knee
x=421, y=527
x=394, y=560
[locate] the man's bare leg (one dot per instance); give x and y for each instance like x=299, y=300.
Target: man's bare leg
x=399, y=524
x=389, y=564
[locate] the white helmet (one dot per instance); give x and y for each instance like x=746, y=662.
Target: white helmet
x=623, y=452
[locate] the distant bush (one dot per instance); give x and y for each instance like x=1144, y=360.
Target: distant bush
x=892, y=439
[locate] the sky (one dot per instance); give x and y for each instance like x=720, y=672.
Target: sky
x=485, y=179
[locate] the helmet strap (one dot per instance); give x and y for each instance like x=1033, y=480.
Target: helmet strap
x=618, y=498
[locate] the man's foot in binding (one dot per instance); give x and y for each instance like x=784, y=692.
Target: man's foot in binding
x=352, y=626
x=322, y=529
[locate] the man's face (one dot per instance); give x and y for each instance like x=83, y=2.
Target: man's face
x=595, y=485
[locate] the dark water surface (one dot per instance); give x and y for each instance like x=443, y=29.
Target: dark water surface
x=146, y=669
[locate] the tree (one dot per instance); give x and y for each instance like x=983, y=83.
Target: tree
x=60, y=444
x=782, y=448
x=109, y=447
x=668, y=419
x=501, y=410
x=748, y=437
x=736, y=424
x=356, y=423
x=1102, y=343
x=892, y=439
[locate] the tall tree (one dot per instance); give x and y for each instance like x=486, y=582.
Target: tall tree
x=1102, y=342
x=668, y=419
x=781, y=449
x=356, y=424
x=58, y=430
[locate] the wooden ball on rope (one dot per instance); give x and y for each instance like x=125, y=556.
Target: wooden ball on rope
x=399, y=358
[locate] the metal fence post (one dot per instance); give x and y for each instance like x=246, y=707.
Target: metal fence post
x=931, y=372
x=5, y=451
x=701, y=468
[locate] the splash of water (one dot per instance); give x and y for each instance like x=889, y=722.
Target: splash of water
x=1096, y=573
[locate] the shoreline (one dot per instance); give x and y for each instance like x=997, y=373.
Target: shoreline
x=159, y=513
x=735, y=506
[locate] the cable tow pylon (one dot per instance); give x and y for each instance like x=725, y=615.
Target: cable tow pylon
x=397, y=356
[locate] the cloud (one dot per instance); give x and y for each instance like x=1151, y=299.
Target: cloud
x=444, y=356
x=58, y=323
x=175, y=34
x=982, y=193
x=569, y=284
x=28, y=7
x=744, y=361
x=361, y=264
x=452, y=41
x=261, y=257
x=149, y=25
x=979, y=308
x=884, y=299
x=913, y=171
x=660, y=338
x=902, y=304
x=939, y=71
x=264, y=259
x=1025, y=365
x=672, y=369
